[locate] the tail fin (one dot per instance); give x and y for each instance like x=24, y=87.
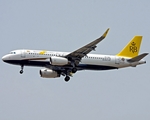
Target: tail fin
x=132, y=48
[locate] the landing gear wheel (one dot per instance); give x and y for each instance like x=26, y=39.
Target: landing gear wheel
x=21, y=71
x=74, y=70
x=67, y=78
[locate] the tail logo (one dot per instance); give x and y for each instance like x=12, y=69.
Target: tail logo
x=133, y=47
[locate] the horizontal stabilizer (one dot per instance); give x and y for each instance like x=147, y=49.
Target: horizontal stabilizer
x=137, y=58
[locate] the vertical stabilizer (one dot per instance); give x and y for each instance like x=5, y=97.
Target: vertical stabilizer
x=132, y=48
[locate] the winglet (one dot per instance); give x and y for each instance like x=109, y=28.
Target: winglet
x=104, y=35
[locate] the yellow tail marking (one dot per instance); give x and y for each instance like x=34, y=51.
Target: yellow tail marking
x=42, y=52
x=132, y=48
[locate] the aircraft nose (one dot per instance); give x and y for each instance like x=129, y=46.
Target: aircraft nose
x=5, y=57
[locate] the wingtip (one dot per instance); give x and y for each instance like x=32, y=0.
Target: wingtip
x=104, y=35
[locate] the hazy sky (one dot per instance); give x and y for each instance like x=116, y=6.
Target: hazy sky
x=66, y=26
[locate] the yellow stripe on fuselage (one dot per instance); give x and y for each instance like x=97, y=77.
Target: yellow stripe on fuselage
x=42, y=52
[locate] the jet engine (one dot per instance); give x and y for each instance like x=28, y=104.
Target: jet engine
x=48, y=73
x=58, y=61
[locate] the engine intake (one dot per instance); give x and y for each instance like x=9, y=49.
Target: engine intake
x=48, y=73
x=58, y=61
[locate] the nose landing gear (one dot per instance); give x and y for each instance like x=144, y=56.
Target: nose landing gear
x=21, y=71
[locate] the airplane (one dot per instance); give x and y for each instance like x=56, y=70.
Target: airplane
x=67, y=63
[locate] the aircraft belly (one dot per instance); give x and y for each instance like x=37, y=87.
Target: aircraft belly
x=29, y=62
x=94, y=67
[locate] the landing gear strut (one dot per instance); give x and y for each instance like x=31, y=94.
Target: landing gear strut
x=21, y=71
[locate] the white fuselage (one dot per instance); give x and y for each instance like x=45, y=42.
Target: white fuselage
x=89, y=62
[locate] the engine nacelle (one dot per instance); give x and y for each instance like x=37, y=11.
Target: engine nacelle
x=48, y=73
x=58, y=61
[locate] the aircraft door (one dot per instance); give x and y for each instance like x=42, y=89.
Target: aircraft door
x=23, y=55
x=117, y=60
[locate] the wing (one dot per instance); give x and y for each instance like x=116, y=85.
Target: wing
x=83, y=51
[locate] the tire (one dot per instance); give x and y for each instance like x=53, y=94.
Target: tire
x=67, y=78
x=21, y=71
x=74, y=70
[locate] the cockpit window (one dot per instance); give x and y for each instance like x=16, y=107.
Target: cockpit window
x=12, y=52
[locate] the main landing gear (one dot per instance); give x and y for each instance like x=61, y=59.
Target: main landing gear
x=67, y=78
x=21, y=71
x=69, y=73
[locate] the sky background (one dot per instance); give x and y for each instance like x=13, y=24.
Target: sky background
x=67, y=25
